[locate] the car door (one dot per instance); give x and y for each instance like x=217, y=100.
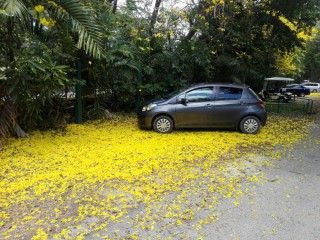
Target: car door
x=194, y=108
x=228, y=106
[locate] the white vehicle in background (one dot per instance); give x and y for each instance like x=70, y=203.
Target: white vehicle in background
x=314, y=87
x=272, y=89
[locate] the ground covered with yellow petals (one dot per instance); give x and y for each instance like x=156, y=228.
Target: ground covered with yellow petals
x=111, y=180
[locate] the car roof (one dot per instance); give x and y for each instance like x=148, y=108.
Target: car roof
x=279, y=79
x=218, y=85
x=294, y=85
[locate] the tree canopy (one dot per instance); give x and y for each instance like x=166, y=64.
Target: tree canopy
x=171, y=43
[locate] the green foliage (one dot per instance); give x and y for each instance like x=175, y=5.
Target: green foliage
x=84, y=25
x=312, y=59
x=38, y=52
x=37, y=89
x=214, y=41
x=15, y=8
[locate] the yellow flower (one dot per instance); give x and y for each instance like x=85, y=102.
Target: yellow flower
x=47, y=23
x=53, y=3
x=52, y=22
x=44, y=21
x=114, y=167
x=39, y=8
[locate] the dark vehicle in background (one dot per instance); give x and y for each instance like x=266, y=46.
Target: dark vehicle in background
x=206, y=106
x=297, y=90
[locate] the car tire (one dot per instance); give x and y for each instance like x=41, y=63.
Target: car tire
x=163, y=124
x=281, y=100
x=302, y=94
x=250, y=125
x=314, y=90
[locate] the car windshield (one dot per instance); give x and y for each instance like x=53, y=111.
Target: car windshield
x=174, y=93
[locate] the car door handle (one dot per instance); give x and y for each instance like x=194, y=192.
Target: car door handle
x=209, y=105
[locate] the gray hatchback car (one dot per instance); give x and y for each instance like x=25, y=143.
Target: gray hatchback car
x=206, y=106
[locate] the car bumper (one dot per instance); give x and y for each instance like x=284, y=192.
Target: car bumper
x=263, y=119
x=145, y=119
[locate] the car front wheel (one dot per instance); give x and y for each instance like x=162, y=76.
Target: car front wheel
x=163, y=124
x=250, y=125
x=302, y=94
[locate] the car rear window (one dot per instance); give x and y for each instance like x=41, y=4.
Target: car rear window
x=229, y=93
x=253, y=93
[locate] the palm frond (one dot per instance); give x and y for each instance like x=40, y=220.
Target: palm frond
x=86, y=26
x=15, y=8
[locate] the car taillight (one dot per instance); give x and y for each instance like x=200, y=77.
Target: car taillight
x=261, y=103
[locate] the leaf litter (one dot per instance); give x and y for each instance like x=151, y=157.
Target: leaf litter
x=111, y=180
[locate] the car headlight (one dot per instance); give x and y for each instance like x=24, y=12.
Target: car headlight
x=148, y=107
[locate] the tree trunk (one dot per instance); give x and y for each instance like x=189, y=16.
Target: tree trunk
x=193, y=31
x=154, y=17
x=115, y=4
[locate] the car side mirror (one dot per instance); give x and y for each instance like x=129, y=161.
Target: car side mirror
x=184, y=101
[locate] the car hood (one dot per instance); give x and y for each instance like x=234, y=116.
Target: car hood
x=159, y=101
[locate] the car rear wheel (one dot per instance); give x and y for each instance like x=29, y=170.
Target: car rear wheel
x=314, y=90
x=302, y=94
x=250, y=125
x=163, y=124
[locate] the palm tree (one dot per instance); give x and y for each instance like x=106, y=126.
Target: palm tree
x=23, y=14
x=72, y=10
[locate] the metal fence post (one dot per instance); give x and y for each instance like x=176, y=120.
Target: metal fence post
x=139, y=83
x=78, y=103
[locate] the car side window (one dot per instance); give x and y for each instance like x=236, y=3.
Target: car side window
x=229, y=93
x=198, y=95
